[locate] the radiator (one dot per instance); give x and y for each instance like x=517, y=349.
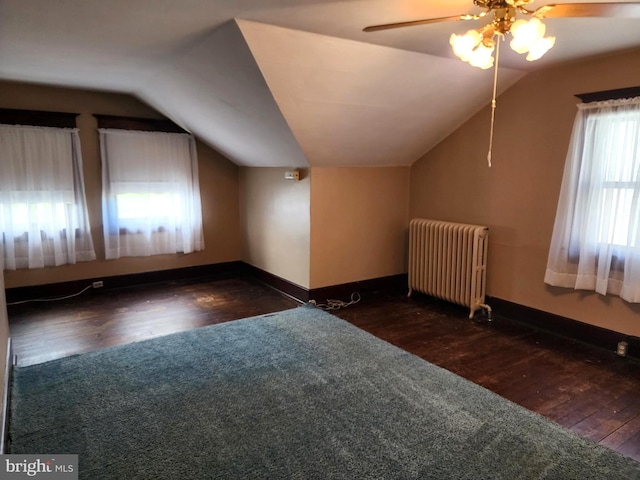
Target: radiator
x=448, y=261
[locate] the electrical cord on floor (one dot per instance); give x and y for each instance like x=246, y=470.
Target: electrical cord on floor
x=53, y=299
x=337, y=304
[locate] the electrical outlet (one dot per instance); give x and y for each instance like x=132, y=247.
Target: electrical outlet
x=622, y=349
x=98, y=284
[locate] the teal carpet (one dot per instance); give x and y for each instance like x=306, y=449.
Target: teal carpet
x=299, y=394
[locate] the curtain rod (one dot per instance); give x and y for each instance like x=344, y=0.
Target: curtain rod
x=38, y=118
x=142, y=124
x=616, y=94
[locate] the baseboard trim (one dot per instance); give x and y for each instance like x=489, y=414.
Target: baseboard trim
x=6, y=399
x=285, y=286
x=564, y=327
x=212, y=271
x=342, y=291
x=345, y=290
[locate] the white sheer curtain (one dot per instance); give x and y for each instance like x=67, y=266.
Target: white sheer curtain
x=596, y=236
x=151, y=193
x=43, y=212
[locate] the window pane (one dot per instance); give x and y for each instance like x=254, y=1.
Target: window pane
x=156, y=209
x=616, y=215
x=19, y=218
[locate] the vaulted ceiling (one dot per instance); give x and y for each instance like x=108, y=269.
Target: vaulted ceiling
x=284, y=82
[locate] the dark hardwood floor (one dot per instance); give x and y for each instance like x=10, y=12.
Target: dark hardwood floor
x=592, y=392
x=43, y=331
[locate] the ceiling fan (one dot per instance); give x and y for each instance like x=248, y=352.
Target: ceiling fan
x=477, y=45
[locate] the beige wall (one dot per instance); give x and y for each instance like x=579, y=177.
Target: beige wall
x=359, y=219
x=275, y=221
x=336, y=225
x=517, y=197
x=218, y=185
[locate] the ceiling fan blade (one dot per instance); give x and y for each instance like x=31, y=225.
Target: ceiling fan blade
x=388, y=26
x=615, y=9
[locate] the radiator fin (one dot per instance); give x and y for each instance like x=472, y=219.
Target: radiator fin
x=448, y=261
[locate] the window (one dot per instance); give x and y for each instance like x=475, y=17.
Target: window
x=596, y=236
x=43, y=213
x=620, y=181
x=151, y=195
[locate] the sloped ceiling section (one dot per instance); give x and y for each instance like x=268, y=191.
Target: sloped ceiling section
x=353, y=103
x=214, y=89
x=269, y=96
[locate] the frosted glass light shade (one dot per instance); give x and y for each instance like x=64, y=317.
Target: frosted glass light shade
x=482, y=57
x=526, y=34
x=464, y=45
x=541, y=47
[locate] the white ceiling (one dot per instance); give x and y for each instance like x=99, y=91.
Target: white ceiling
x=284, y=82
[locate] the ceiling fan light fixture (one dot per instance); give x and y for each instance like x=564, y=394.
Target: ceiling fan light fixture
x=476, y=46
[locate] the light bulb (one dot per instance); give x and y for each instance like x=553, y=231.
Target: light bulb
x=526, y=34
x=541, y=47
x=482, y=57
x=463, y=45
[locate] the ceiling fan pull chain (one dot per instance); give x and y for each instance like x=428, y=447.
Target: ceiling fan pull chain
x=493, y=99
